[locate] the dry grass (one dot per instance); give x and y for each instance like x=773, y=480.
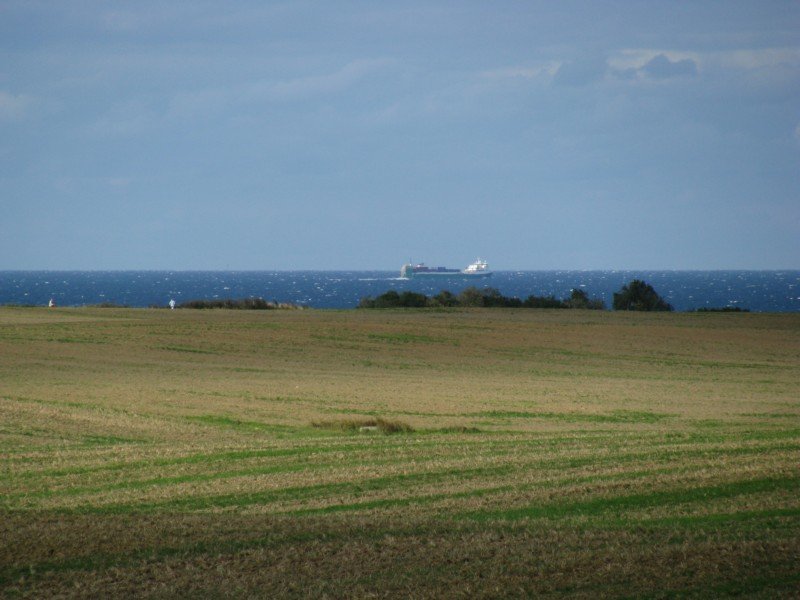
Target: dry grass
x=552, y=453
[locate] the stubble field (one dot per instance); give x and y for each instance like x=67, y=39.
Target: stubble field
x=157, y=453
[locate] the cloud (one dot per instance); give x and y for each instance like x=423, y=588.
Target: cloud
x=581, y=72
x=752, y=59
x=128, y=118
x=518, y=72
x=661, y=67
x=326, y=84
x=638, y=60
x=75, y=184
x=122, y=21
x=654, y=65
x=140, y=115
x=118, y=182
x=200, y=103
x=659, y=64
x=13, y=107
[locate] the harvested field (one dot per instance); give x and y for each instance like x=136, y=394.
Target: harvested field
x=423, y=453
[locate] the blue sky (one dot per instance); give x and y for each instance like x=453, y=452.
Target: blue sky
x=358, y=135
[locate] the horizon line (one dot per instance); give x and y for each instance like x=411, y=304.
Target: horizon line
x=365, y=270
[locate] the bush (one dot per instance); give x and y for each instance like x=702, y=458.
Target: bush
x=638, y=295
x=444, y=298
x=366, y=302
x=543, y=302
x=474, y=297
x=107, y=305
x=392, y=299
x=493, y=297
x=580, y=299
x=244, y=304
x=413, y=300
x=724, y=309
x=471, y=296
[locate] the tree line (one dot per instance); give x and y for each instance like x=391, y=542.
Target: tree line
x=240, y=304
x=636, y=295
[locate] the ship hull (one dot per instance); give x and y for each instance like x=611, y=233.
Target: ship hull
x=452, y=275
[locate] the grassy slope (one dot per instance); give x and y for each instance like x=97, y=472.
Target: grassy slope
x=557, y=453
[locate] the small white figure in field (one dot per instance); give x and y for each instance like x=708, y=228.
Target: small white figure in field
x=172, y=304
x=52, y=303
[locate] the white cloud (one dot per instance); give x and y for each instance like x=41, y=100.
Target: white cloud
x=661, y=67
x=128, y=118
x=207, y=101
x=583, y=70
x=547, y=69
x=329, y=83
x=199, y=103
x=122, y=20
x=118, y=182
x=70, y=184
x=746, y=60
x=637, y=58
x=757, y=59
x=13, y=107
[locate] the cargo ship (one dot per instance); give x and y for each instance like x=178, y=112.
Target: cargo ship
x=477, y=269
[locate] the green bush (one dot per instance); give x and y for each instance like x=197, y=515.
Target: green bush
x=638, y=295
x=392, y=299
x=580, y=299
x=243, y=304
x=543, y=302
x=473, y=297
x=413, y=300
x=724, y=309
x=107, y=305
x=444, y=298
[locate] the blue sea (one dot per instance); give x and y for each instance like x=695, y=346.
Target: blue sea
x=758, y=291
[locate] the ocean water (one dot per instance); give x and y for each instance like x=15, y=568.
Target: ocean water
x=758, y=291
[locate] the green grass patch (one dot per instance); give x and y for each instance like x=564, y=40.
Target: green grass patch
x=456, y=430
x=298, y=493
x=385, y=426
x=108, y=440
x=188, y=349
x=405, y=338
x=232, y=423
x=633, y=502
x=617, y=416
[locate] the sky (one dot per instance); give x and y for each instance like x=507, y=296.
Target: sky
x=344, y=135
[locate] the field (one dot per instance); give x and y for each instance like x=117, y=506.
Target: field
x=566, y=453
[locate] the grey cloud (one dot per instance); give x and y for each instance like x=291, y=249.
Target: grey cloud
x=661, y=67
x=13, y=106
x=199, y=103
x=328, y=83
x=581, y=72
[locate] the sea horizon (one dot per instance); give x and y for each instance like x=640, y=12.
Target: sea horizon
x=771, y=290
x=384, y=269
